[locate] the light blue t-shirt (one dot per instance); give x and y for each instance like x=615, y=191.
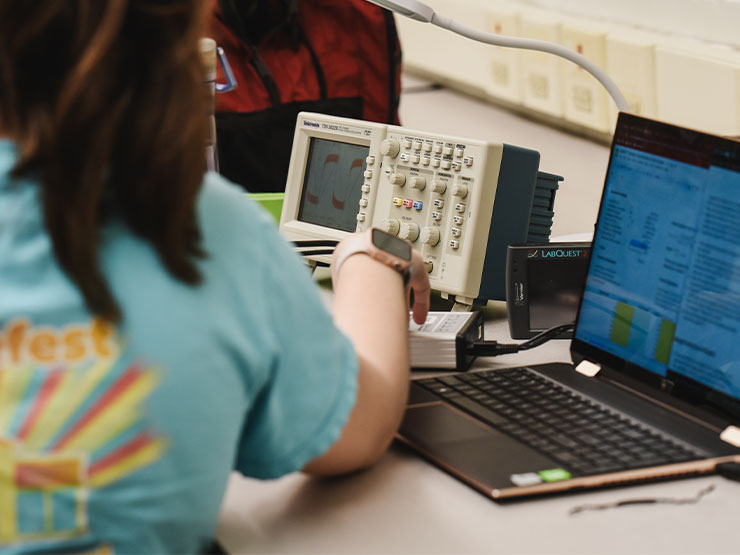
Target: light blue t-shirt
x=123, y=438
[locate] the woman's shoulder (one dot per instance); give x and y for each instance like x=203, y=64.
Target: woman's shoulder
x=228, y=216
x=220, y=198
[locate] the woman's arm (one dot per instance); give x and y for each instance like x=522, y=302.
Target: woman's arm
x=371, y=307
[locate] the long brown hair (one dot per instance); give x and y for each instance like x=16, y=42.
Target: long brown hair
x=104, y=99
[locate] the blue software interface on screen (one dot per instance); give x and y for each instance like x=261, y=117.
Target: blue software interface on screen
x=663, y=287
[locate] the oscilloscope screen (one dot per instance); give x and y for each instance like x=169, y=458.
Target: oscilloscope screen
x=332, y=184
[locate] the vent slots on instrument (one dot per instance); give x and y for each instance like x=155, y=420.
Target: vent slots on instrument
x=460, y=202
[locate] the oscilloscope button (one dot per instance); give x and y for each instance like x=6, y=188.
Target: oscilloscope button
x=417, y=145
x=459, y=152
x=365, y=188
x=456, y=232
x=457, y=166
x=415, y=159
x=370, y=160
x=458, y=220
x=454, y=244
x=427, y=147
x=397, y=179
x=360, y=217
x=439, y=186
x=439, y=203
x=368, y=174
x=390, y=147
x=437, y=215
x=430, y=236
x=397, y=201
x=460, y=191
x=438, y=148
x=447, y=151
x=410, y=231
x=446, y=164
x=468, y=161
x=407, y=143
x=391, y=226
x=363, y=202
x=429, y=266
x=418, y=182
x=426, y=160
x=436, y=163
x=460, y=207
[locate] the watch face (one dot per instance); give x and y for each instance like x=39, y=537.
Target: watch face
x=392, y=245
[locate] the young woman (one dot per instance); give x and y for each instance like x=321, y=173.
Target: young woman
x=155, y=331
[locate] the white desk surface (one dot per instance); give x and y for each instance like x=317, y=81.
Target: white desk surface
x=406, y=505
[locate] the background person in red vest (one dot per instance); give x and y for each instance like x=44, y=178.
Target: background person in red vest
x=338, y=57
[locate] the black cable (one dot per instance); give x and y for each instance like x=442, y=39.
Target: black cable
x=644, y=501
x=494, y=348
x=316, y=243
x=315, y=252
x=545, y=336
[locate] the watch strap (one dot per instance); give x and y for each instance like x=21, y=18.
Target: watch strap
x=361, y=243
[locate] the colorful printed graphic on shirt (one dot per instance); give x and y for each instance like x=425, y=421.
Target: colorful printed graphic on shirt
x=70, y=422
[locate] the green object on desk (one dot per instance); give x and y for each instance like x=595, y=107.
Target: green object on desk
x=272, y=202
x=554, y=475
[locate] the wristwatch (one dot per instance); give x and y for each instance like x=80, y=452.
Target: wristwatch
x=383, y=247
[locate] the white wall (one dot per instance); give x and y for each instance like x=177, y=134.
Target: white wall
x=709, y=20
x=675, y=60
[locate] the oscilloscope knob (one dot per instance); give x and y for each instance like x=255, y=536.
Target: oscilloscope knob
x=410, y=231
x=391, y=226
x=390, y=147
x=460, y=191
x=418, y=182
x=397, y=179
x=439, y=186
x=429, y=236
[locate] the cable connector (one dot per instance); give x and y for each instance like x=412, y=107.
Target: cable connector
x=494, y=348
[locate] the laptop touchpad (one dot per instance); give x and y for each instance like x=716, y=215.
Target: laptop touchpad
x=477, y=452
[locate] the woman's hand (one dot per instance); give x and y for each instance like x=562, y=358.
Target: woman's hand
x=419, y=284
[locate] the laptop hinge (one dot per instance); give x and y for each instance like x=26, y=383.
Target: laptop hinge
x=731, y=435
x=588, y=369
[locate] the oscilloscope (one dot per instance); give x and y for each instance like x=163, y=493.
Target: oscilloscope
x=460, y=202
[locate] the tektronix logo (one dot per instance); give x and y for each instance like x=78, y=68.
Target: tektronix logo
x=310, y=124
x=556, y=253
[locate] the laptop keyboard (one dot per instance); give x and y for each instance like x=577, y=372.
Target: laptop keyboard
x=586, y=437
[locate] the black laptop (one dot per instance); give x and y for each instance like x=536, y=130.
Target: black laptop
x=654, y=388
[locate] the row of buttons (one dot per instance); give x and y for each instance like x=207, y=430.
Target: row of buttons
x=368, y=174
x=440, y=203
x=428, y=147
x=457, y=219
x=436, y=162
x=408, y=203
x=391, y=148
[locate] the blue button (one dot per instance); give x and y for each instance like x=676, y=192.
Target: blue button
x=418, y=204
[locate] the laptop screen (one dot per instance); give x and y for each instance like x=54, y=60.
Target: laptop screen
x=663, y=287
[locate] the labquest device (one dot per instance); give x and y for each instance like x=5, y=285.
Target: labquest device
x=460, y=202
x=543, y=286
